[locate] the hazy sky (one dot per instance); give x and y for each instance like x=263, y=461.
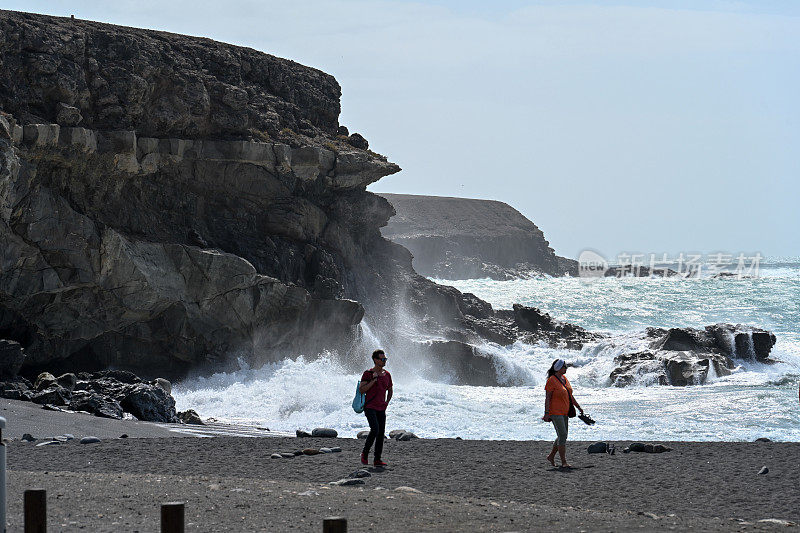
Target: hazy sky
x=651, y=126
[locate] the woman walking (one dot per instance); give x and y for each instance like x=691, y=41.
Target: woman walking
x=557, y=403
x=376, y=383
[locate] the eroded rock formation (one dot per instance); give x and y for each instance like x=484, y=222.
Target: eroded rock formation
x=687, y=356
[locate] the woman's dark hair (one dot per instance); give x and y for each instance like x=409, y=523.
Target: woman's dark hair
x=552, y=371
x=377, y=353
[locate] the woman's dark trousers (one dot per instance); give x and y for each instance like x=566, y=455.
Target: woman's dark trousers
x=377, y=427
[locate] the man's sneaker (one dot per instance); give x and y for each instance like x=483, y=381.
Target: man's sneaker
x=364, y=460
x=379, y=463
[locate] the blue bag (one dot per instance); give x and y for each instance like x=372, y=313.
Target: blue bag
x=359, y=400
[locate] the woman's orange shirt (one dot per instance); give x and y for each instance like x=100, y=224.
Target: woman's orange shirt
x=559, y=403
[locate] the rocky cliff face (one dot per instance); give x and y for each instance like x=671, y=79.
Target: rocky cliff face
x=461, y=238
x=168, y=202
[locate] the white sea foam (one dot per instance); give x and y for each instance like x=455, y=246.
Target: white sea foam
x=756, y=400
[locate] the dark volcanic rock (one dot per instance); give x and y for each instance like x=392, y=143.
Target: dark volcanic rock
x=150, y=403
x=685, y=356
x=460, y=238
x=190, y=416
x=327, y=433
x=54, y=395
x=97, y=404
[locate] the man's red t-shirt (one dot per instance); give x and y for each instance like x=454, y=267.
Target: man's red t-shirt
x=376, y=395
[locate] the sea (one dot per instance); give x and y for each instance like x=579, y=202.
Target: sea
x=305, y=391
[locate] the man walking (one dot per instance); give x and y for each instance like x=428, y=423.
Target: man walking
x=376, y=383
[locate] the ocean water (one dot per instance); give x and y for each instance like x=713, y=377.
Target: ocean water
x=757, y=400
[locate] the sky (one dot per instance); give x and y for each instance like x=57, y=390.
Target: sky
x=647, y=126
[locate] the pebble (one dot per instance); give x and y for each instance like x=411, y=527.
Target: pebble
x=124, y=436
x=763, y=470
x=286, y=455
x=406, y=436
x=409, y=490
x=277, y=456
x=336, y=449
x=325, y=450
x=48, y=443
x=89, y=440
x=311, y=451
x=359, y=474
x=28, y=437
x=763, y=439
x=348, y=481
x=777, y=522
x=362, y=434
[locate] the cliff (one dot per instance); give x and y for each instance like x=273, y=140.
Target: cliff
x=169, y=202
x=462, y=238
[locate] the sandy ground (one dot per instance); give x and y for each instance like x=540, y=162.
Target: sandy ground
x=232, y=484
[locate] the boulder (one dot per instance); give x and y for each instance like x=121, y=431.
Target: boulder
x=95, y=403
x=149, y=403
x=362, y=434
x=324, y=433
x=11, y=358
x=44, y=381
x=68, y=381
x=163, y=384
x=190, y=416
x=16, y=389
x=54, y=395
x=598, y=447
x=302, y=434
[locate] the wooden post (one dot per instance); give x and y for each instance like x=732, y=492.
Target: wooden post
x=334, y=524
x=172, y=517
x=36, y=511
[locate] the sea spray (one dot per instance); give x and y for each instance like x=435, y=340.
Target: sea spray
x=306, y=392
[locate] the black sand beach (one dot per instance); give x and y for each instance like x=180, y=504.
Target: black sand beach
x=232, y=484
